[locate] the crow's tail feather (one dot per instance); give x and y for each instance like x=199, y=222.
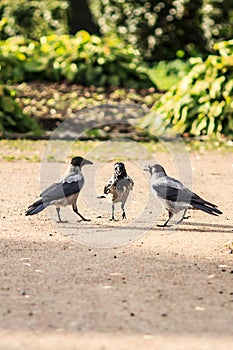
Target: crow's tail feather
x=36, y=207
x=210, y=205
x=208, y=209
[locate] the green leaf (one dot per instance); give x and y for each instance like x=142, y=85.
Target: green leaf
x=114, y=80
x=199, y=87
x=211, y=125
x=7, y=104
x=215, y=89
x=36, y=65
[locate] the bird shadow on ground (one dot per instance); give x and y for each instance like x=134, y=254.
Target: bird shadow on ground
x=184, y=227
x=204, y=227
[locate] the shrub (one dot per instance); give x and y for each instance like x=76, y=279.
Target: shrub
x=216, y=24
x=163, y=29
x=32, y=19
x=83, y=59
x=201, y=103
x=167, y=73
x=12, y=118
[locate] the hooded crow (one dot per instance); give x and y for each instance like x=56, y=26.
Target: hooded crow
x=63, y=193
x=174, y=196
x=119, y=186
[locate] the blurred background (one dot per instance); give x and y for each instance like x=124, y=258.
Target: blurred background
x=174, y=58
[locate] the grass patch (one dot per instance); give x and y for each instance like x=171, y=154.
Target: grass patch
x=103, y=151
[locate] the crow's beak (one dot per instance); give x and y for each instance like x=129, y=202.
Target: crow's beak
x=118, y=170
x=86, y=162
x=146, y=168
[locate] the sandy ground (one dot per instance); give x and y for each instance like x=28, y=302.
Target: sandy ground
x=85, y=286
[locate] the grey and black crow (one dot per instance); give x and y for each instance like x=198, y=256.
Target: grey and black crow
x=63, y=193
x=175, y=196
x=119, y=186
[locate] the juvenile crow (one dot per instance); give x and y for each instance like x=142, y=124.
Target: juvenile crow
x=63, y=193
x=175, y=196
x=119, y=186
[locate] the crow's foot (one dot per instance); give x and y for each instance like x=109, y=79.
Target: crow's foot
x=163, y=225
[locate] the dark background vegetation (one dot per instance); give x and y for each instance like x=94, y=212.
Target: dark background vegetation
x=174, y=56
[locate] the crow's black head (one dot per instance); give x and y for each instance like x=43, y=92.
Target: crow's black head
x=119, y=169
x=79, y=161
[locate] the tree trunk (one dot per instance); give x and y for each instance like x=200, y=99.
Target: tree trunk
x=80, y=17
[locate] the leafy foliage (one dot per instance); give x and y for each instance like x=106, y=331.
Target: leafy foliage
x=216, y=24
x=167, y=73
x=12, y=118
x=32, y=19
x=201, y=103
x=83, y=58
x=165, y=29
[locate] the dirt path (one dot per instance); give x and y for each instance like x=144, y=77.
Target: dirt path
x=168, y=289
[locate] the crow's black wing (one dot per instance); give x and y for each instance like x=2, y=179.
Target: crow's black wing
x=131, y=181
x=184, y=195
x=173, y=194
x=111, y=183
x=62, y=189
x=124, y=184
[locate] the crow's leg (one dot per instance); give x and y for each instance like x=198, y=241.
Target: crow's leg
x=123, y=211
x=113, y=208
x=183, y=217
x=188, y=216
x=58, y=209
x=169, y=218
x=58, y=214
x=75, y=209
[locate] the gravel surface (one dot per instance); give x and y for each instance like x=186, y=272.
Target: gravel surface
x=168, y=289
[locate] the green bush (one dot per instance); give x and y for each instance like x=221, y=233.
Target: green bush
x=12, y=118
x=216, y=23
x=201, y=103
x=167, y=73
x=83, y=59
x=32, y=19
x=165, y=29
